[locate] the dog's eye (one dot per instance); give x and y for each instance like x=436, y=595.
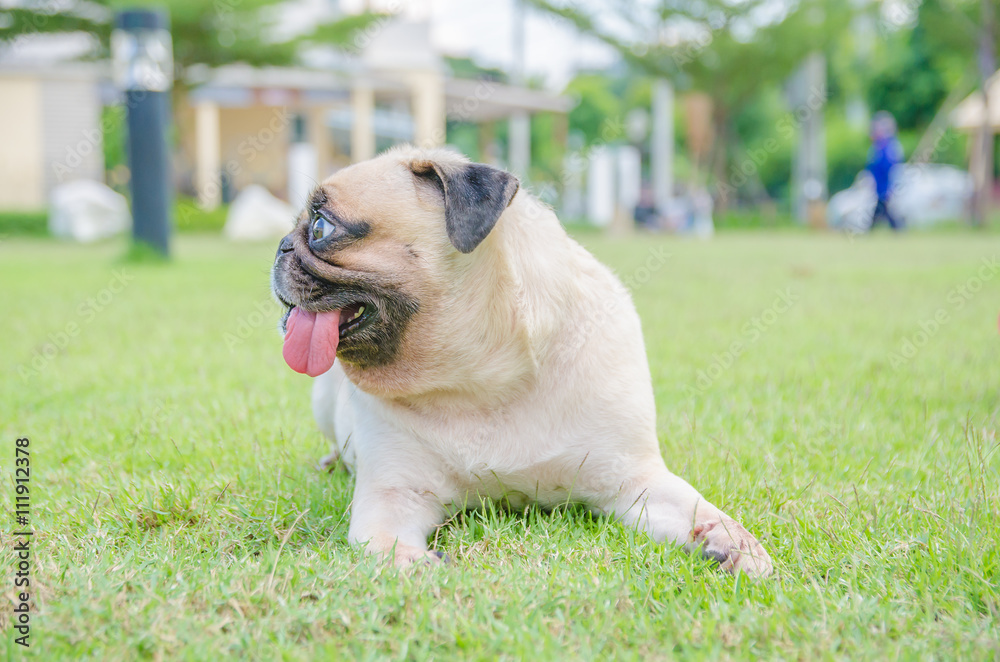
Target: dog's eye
x=322, y=228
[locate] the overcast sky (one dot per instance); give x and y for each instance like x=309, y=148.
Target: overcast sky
x=484, y=31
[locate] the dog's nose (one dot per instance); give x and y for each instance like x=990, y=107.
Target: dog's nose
x=286, y=245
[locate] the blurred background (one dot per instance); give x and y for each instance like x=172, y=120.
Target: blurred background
x=665, y=116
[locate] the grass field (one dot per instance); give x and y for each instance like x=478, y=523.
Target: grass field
x=178, y=514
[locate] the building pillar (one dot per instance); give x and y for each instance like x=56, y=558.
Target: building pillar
x=519, y=143
x=208, y=155
x=319, y=137
x=662, y=147
x=628, y=163
x=427, y=90
x=303, y=166
x=601, y=205
x=809, y=162
x=362, y=122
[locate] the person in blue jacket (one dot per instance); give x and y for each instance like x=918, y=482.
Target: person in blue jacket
x=885, y=154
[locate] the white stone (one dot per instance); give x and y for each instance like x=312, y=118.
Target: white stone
x=256, y=215
x=601, y=186
x=86, y=211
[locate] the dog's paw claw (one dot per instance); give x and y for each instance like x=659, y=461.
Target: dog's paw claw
x=329, y=462
x=728, y=543
x=410, y=556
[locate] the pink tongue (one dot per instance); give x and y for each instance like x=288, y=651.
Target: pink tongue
x=311, y=341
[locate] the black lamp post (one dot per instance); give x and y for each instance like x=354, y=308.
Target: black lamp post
x=142, y=57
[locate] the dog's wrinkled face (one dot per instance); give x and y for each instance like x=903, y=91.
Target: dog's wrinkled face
x=369, y=247
x=347, y=306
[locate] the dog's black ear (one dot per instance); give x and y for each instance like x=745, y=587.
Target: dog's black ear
x=475, y=195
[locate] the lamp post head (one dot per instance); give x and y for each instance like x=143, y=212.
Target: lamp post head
x=141, y=51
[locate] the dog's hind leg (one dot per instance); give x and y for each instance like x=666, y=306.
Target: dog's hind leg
x=670, y=510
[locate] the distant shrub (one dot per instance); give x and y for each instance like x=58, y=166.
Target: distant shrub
x=187, y=218
x=753, y=219
x=191, y=218
x=24, y=223
x=846, y=153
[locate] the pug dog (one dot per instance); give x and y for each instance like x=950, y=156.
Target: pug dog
x=464, y=349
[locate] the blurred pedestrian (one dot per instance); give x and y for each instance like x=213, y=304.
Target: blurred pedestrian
x=883, y=157
x=647, y=216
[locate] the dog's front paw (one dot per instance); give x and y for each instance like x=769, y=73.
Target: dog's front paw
x=726, y=541
x=404, y=556
x=329, y=462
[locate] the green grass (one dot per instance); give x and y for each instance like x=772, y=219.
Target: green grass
x=188, y=218
x=178, y=514
x=742, y=219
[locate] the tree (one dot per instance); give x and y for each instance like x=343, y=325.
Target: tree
x=729, y=50
x=215, y=33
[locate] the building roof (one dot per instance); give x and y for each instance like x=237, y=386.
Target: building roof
x=968, y=115
x=483, y=100
x=465, y=99
x=95, y=72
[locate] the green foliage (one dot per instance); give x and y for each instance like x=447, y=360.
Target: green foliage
x=598, y=107
x=351, y=32
x=738, y=52
x=846, y=151
x=740, y=60
x=763, y=129
x=742, y=219
x=202, y=33
x=113, y=137
x=17, y=20
x=951, y=29
x=950, y=147
x=546, y=149
x=188, y=217
x=464, y=136
x=464, y=67
x=24, y=224
x=907, y=85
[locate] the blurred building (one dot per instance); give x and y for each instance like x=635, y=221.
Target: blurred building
x=50, y=129
x=972, y=116
x=282, y=128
